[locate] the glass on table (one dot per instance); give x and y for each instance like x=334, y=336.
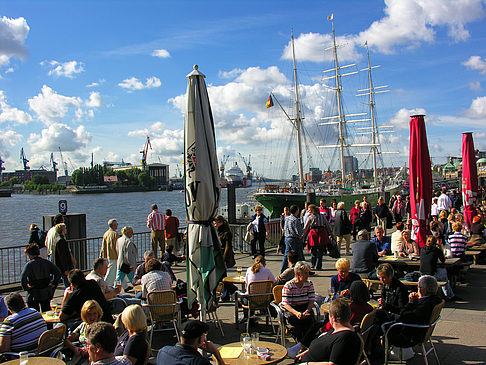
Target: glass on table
x=331, y=292
x=53, y=307
x=255, y=337
x=239, y=270
x=245, y=340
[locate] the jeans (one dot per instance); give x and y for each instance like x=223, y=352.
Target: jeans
x=295, y=244
x=120, y=275
x=441, y=275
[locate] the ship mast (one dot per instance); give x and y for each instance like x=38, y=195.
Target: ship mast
x=372, y=115
x=298, y=120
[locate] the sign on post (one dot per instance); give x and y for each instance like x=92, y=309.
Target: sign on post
x=63, y=207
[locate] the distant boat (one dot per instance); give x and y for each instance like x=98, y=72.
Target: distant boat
x=5, y=193
x=236, y=177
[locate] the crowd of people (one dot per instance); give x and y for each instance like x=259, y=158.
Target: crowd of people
x=90, y=302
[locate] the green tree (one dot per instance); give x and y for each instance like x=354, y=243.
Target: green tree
x=40, y=179
x=145, y=180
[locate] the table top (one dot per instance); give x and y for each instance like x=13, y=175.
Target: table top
x=406, y=261
x=37, y=360
x=277, y=352
x=51, y=317
x=325, y=306
x=234, y=279
x=137, y=288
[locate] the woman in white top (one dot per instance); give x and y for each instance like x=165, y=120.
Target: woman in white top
x=258, y=272
x=398, y=243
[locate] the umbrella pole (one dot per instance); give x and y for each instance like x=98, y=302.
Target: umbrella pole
x=202, y=301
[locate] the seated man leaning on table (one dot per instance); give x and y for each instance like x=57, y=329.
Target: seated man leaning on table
x=155, y=278
x=21, y=330
x=365, y=256
x=100, y=267
x=193, y=337
x=382, y=242
x=341, y=282
x=79, y=292
x=288, y=274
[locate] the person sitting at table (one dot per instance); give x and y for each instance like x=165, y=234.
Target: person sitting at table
x=365, y=256
x=140, y=270
x=101, y=341
x=133, y=343
x=288, y=274
x=429, y=256
x=3, y=310
x=79, y=292
x=298, y=300
x=382, y=242
x=411, y=245
x=458, y=241
x=168, y=257
x=193, y=338
x=258, y=272
x=394, y=294
x=155, y=278
x=477, y=231
x=341, y=345
x=21, y=330
x=398, y=243
x=91, y=312
x=341, y=282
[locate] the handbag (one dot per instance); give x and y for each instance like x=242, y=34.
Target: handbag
x=334, y=251
x=248, y=236
x=230, y=258
x=125, y=268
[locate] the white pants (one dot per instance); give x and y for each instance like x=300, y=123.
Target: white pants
x=111, y=273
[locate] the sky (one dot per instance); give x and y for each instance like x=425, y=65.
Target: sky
x=98, y=77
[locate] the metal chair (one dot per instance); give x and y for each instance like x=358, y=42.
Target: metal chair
x=277, y=294
x=259, y=298
x=428, y=330
x=163, y=308
x=213, y=307
x=364, y=331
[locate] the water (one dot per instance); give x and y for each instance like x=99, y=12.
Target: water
x=21, y=210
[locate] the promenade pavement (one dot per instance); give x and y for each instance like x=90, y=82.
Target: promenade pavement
x=460, y=336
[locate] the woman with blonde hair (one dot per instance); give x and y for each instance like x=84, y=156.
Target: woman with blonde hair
x=258, y=224
x=411, y=245
x=127, y=256
x=133, y=344
x=91, y=312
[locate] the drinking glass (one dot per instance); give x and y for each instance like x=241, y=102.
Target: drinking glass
x=245, y=340
x=23, y=358
x=54, y=307
x=239, y=270
x=255, y=337
x=331, y=293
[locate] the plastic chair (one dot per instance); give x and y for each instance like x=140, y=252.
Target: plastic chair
x=163, y=308
x=428, y=328
x=259, y=296
x=213, y=307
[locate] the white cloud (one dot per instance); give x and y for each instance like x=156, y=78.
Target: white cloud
x=59, y=135
x=8, y=138
x=401, y=120
x=51, y=106
x=476, y=63
x=9, y=114
x=95, y=100
x=165, y=142
x=97, y=83
x=477, y=108
x=162, y=53
x=411, y=22
x=135, y=84
x=66, y=69
x=475, y=86
x=13, y=33
x=230, y=74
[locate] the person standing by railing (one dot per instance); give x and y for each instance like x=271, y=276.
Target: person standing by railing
x=61, y=254
x=156, y=222
x=108, y=251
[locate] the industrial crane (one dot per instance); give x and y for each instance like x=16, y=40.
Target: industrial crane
x=24, y=160
x=1, y=164
x=249, y=173
x=224, y=160
x=53, y=163
x=63, y=164
x=144, y=153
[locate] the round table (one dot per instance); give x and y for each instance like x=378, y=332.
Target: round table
x=325, y=306
x=277, y=352
x=235, y=280
x=37, y=360
x=137, y=288
x=51, y=318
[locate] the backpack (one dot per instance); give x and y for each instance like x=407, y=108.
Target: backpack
x=42, y=238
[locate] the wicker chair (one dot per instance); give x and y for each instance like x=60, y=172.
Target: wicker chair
x=163, y=308
x=429, y=329
x=259, y=298
x=213, y=307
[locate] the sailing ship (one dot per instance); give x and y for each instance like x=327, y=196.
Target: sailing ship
x=276, y=197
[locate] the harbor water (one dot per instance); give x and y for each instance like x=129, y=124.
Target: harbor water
x=20, y=210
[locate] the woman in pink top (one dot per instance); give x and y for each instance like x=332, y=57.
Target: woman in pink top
x=258, y=272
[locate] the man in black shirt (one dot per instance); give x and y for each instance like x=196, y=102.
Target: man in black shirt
x=83, y=290
x=365, y=256
x=193, y=337
x=394, y=294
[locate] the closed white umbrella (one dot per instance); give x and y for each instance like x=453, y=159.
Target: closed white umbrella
x=205, y=264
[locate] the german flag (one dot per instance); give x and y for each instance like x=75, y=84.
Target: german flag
x=269, y=102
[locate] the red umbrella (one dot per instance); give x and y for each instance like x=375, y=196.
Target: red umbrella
x=469, y=178
x=420, y=180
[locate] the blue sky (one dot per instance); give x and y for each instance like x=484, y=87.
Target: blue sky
x=99, y=76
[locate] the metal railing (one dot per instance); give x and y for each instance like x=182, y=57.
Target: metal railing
x=86, y=250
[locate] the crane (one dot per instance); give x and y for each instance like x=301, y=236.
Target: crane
x=1, y=165
x=53, y=163
x=24, y=160
x=63, y=164
x=224, y=160
x=144, y=152
x=178, y=170
x=247, y=163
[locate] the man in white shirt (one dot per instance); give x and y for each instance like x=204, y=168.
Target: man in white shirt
x=444, y=202
x=52, y=234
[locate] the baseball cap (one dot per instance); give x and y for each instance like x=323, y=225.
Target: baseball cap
x=194, y=329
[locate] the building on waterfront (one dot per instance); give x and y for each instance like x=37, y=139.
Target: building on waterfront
x=26, y=175
x=159, y=171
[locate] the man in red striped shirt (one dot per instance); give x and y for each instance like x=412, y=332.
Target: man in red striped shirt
x=156, y=222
